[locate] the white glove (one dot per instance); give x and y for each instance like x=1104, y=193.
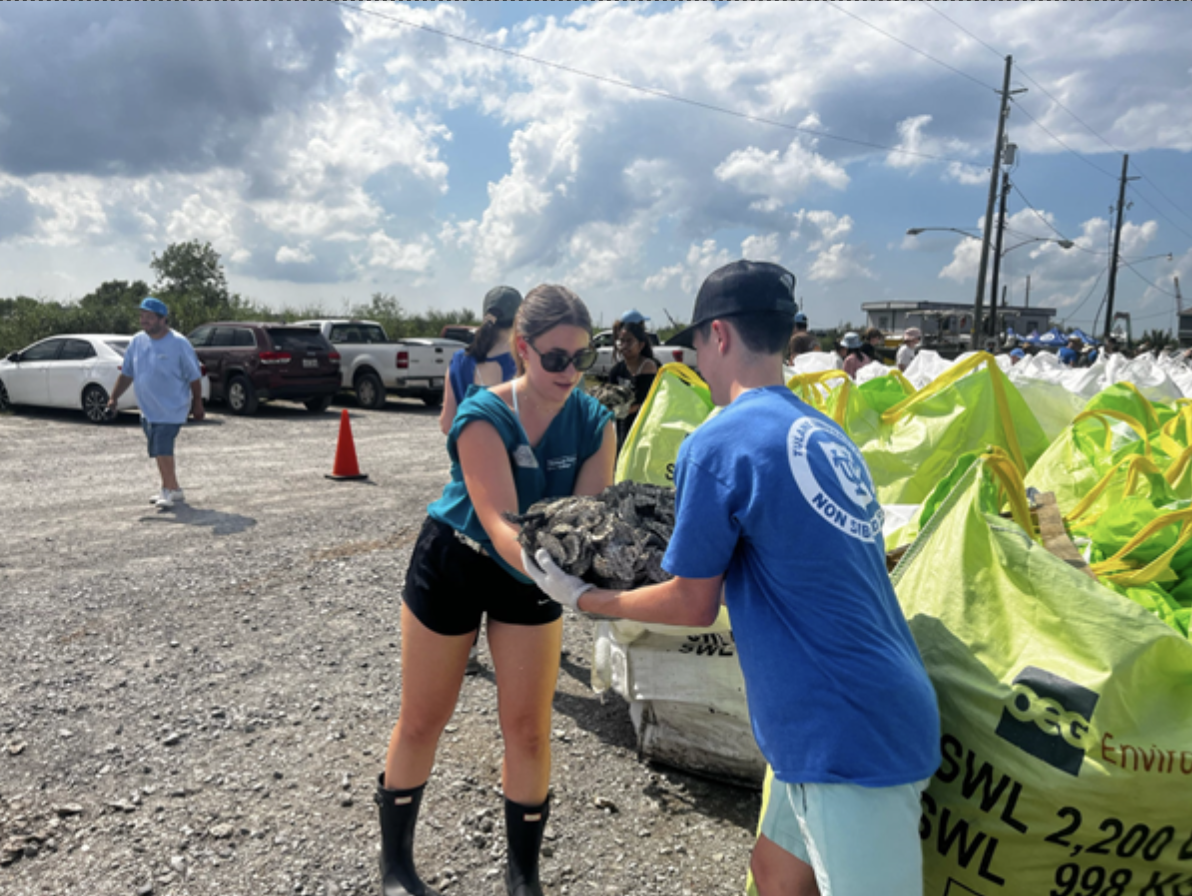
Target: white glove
x=554, y=583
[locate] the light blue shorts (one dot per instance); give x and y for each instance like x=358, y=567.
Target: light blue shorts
x=161, y=437
x=860, y=841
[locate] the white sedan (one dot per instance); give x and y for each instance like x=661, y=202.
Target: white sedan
x=75, y=371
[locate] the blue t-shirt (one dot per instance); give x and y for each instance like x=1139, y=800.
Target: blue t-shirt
x=546, y=471
x=162, y=371
x=462, y=372
x=836, y=688
x=1068, y=356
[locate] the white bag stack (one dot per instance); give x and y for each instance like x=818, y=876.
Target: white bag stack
x=686, y=696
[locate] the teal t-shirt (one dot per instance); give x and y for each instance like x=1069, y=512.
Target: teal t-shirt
x=546, y=471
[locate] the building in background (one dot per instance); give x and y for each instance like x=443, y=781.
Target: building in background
x=947, y=322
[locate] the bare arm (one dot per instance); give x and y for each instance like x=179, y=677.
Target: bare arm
x=688, y=602
x=489, y=479
x=597, y=472
x=447, y=415
x=122, y=384
x=196, y=400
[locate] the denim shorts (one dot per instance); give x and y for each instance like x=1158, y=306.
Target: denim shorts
x=858, y=840
x=161, y=437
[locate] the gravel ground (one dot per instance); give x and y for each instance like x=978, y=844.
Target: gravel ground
x=198, y=701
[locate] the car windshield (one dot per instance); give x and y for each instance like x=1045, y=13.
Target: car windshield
x=297, y=339
x=119, y=346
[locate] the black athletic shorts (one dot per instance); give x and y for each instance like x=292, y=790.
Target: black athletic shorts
x=451, y=585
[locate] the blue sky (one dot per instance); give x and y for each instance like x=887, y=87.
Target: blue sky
x=330, y=152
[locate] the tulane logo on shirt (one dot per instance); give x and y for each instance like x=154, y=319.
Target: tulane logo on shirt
x=833, y=479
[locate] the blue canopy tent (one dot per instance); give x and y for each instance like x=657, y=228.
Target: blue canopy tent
x=1085, y=337
x=1053, y=338
x=1034, y=338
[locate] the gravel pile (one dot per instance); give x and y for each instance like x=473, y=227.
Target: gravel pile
x=198, y=702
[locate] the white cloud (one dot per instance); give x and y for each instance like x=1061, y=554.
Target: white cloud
x=394, y=255
x=765, y=247
x=702, y=259
x=785, y=177
x=294, y=255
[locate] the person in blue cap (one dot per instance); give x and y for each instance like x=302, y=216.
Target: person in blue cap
x=169, y=381
x=839, y=699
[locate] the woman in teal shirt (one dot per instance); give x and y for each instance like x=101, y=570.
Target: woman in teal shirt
x=534, y=437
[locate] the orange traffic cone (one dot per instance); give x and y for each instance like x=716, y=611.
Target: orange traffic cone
x=346, y=466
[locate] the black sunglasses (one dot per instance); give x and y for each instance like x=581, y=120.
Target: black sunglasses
x=557, y=360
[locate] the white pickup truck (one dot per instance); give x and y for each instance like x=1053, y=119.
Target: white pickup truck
x=606, y=355
x=374, y=366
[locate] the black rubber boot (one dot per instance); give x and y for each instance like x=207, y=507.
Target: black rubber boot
x=524, y=827
x=399, y=814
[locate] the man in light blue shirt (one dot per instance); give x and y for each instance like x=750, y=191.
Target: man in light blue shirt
x=169, y=388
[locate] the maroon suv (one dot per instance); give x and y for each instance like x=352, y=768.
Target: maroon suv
x=253, y=362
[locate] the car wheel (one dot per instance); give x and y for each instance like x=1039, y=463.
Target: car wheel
x=242, y=396
x=318, y=405
x=95, y=405
x=5, y=401
x=370, y=391
x=433, y=400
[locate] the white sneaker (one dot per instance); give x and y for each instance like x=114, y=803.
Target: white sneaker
x=163, y=493
x=168, y=499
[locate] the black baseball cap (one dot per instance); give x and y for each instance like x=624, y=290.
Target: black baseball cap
x=502, y=303
x=743, y=287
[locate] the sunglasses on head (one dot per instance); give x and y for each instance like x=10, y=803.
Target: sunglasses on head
x=557, y=360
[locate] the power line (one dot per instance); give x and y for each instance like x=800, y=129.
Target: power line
x=1025, y=74
x=995, y=52
x=912, y=48
x=1159, y=212
x=1053, y=228
x=1049, y=133
x=1081, y=303
x=650, y=91
x=1145, y=280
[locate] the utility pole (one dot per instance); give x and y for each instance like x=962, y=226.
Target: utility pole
x=1117, y=244
x=1027, y=302
x=1003, y=114
x=997, y=252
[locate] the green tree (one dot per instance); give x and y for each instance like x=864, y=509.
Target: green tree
x=191, y=269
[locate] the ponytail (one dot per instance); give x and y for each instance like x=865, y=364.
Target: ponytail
x=485, y=339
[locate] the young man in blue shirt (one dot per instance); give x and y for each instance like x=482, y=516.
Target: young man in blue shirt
x=775, y=505
x=169, y=389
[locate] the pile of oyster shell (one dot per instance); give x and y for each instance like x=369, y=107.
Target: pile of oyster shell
x=616, y=397
x=614, y=540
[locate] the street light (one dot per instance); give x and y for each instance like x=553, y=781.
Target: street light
x=1062, y=243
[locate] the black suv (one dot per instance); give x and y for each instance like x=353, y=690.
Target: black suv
x=253, y=362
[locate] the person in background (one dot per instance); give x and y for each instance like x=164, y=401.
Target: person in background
x=909, y=348
x=800, y=323
x=853, y=745
x=636, y=369
x=873, y=342
x=487, y=362
x=169, y=388
x=530, y=439
x=801, y=344
x=1069, y=355
x=1016, y=355
x=841, y=353
x=855, y=355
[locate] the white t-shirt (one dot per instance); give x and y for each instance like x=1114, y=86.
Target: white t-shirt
x=906, y=354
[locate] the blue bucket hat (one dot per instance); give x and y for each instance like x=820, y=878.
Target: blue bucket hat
x=157, y=306
x=633, y=316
